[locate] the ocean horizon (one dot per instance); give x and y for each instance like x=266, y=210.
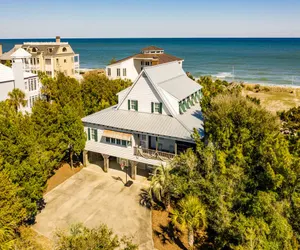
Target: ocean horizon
x=254, y=60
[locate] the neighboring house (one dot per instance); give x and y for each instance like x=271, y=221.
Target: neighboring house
x=130, y=67
x=19, y=76
x=48, y=57
x=153, y=121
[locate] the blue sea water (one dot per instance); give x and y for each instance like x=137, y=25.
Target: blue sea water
x=257, y=60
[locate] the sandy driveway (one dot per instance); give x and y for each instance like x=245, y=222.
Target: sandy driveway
x=93, y=197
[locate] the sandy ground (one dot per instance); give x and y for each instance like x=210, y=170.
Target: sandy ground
x=274, y=98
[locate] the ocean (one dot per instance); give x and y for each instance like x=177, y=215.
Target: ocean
x=255, y=60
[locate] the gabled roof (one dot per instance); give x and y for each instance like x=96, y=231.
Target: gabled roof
x=20, y=53
x=6, y=74
x=169, y=77
x=152, y=48
x=172, y=78
x=7, y=55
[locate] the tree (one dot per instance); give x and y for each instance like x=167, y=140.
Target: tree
x=80, y=237
x=98, y=92
x=8, y=63
x=12, y=212
x=191, y=215
x=161, y=185
x=16, y=99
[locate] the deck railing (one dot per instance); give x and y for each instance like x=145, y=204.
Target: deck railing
x=153, y=154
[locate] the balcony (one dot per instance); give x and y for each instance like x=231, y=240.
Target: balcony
x=153, y=154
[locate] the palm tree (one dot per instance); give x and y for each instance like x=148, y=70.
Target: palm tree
x=17, y=99
x=191, y=215
x=161, y=185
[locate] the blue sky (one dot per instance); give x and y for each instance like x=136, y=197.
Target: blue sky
x=152, y=18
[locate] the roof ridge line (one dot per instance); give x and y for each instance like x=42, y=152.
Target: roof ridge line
x=171, y=78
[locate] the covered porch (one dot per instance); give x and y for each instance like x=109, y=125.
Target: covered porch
x=110, y=164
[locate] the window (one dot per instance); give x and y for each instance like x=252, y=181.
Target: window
x=50, y=50
x=156, y=107
x=133, y=105
x=49, y=73
x=147, y=63
x=142, y=62
x=57, y=60
x=119, y=142
x=109, y=71
x=48, y=61
x=25, y=82
x=94, y=134
x=32, y=100
x=65, y=60
x=34, y=49
x=64, y=49
x=118, y=72
x=38, y=61
x=124, y=72
x=34, y=80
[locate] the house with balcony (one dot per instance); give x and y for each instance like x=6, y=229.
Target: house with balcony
x=153, y=121
x=19, y=76
x=130, y=67
x=48, y=57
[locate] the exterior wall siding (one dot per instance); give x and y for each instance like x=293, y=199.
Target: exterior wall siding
x=144, y=93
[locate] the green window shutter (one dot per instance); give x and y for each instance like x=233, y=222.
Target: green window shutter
x=96, y=135
x=89, y=133
x=152, y=107
x=128, y=104
x=137, y=106
x=160, y=107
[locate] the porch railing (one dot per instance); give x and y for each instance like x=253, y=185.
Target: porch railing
x=153, y=154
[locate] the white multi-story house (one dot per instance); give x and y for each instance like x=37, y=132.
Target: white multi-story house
x=48, y=57
x=19, y=76
x=153, y=121
x=130, y=67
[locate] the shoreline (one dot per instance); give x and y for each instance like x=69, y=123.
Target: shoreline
x=272, y=85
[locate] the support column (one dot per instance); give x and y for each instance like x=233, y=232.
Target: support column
x=85, y=158
x=133, y=169
x=156, y=144
x=106, y=163
x=175, y=148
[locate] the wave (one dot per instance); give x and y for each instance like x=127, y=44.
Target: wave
x=224, y=75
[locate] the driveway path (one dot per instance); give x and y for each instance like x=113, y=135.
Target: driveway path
x=93, y=197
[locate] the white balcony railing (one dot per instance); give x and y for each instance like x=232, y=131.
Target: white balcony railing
x=153, y=154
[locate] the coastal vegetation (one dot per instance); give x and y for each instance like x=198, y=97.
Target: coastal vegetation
x=33, y=146
x=79, y=237
x=245, y=174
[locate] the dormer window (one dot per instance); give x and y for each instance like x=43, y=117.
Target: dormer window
x=133, y=105
x=156, y=107
x=50, y=50
x=34, y=49
x=64, y=49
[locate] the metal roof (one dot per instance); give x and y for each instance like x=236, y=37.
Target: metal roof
x=172, y=78
x=155, y=124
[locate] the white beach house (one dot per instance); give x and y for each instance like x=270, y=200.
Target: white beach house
x=152, y=122
x=130, y=67
x=19, y=76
